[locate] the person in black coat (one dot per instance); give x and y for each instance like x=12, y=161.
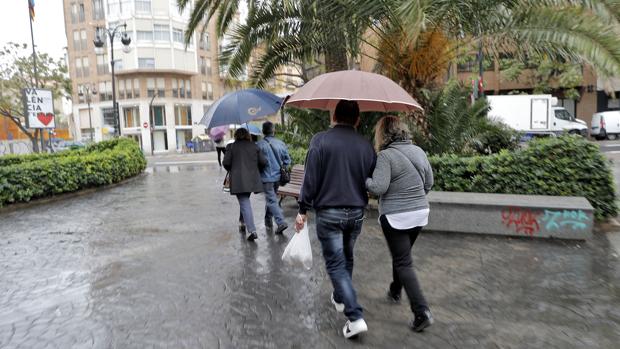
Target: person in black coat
x=244, y=160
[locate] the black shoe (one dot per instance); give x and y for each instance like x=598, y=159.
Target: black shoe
x=268, y=224
x=392, y=298
x=252, y=236
x=422, y=321
x=242, y=228
x=281, y=228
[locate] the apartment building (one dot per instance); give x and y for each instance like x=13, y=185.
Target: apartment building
x=162, y=86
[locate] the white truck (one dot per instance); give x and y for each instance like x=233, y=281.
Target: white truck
x=535, y=115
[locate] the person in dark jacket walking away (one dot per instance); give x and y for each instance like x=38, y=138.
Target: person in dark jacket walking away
x=244, y=160
x=276, y=153
x=402, y=179
x=220, y=148
x=338, y=162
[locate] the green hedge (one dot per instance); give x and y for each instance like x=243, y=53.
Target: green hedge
x=563, y=166
x=39, y=175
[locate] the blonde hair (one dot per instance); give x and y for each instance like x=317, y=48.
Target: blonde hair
x=390, y=129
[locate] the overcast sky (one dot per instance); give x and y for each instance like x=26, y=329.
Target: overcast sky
x=49, y=25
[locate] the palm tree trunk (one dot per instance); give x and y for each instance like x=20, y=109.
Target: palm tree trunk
x=336, y=59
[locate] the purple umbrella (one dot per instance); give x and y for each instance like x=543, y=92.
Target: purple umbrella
x=218, y=132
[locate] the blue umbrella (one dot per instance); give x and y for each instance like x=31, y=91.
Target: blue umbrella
x=255, y=130
x=239, y=107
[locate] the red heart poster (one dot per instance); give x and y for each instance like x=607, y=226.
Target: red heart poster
x=45, y=118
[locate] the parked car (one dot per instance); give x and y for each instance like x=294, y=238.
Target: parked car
x=606, y=125
x=534, y=115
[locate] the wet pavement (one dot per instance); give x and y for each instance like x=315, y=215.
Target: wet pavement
x=158, y=263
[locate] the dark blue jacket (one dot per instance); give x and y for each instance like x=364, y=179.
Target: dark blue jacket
x=271, y=172
x=338, y=162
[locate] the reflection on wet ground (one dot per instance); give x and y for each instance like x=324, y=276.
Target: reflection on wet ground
x=158, y=262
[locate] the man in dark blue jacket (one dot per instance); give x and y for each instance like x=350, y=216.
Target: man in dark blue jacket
x=338, y=162
x=276, y=153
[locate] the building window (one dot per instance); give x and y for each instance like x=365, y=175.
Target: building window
x=177, y=35
x=131, y=116
x=210, y=91
x=146, y=62
x=161, y=87
x=175, y=89
x=143, y=6
x=188, y=88
x=136, y=88
x=98, y=12
x=203, y=66
x=105, y=91
x=204, y=90
x=121, y=89
x=83, y=39
x=144, y=35
x=81, y=94
x=204, y=42
x=77, y=43
x=159, y=115
x=81, y=13
x=109, y=117
x=209, y=70
x=118, y=64
x=85, y=67
x=74, y=12
x=102, y=64
x=150, y=87
x=161, y=32
x=78, y=67
x=182, y=115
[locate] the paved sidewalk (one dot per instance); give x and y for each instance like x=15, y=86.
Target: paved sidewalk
x=158, y=263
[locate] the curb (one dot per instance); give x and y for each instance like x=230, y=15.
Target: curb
x=54, y=198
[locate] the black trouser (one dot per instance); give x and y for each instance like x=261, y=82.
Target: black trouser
x=400, y=243
x=220, y=151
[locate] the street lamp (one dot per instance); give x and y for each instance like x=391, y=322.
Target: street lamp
x=113, y=33
x=90, y=91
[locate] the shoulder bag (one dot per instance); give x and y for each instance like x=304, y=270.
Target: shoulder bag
x=285, y=175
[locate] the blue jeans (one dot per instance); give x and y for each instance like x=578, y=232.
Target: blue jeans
x=246, y=211
x=272, y=209
x=337, y=230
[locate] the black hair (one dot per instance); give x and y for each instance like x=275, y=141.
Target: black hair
x=347, y=112
x=268, y=128
x=242, y=133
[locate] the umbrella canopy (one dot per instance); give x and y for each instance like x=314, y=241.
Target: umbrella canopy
x=253, y=129
x=373, y=92
x=241, y=106
x=218, y=132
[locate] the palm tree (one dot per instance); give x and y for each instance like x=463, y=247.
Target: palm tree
x=580, y=31
x=282, y=32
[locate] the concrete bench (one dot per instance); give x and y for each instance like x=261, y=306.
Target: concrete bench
x=540, y=216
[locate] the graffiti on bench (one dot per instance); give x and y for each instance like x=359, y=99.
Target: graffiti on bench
x=524, y=220
x=15, y=147
x=529, y=222
x=575, y=219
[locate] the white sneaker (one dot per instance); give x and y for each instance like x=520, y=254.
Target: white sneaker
x=339, y=306
x=353, y=328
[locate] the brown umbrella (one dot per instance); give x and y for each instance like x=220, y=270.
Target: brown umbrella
x=373, y=92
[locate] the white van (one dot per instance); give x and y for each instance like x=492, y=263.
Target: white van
x=606, y=125
x=535, y=114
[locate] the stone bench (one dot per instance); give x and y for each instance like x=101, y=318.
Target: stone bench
x=561, y=217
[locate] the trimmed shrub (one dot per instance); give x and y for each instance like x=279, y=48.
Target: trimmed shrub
x=298, y=155
x=39, y=175
x=563, y=166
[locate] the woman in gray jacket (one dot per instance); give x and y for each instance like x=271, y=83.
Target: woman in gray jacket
x=401, y=179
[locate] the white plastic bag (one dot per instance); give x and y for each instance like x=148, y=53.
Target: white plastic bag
x=298, y=250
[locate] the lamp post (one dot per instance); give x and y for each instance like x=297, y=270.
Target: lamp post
x=90, y=91
x=113, y=33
